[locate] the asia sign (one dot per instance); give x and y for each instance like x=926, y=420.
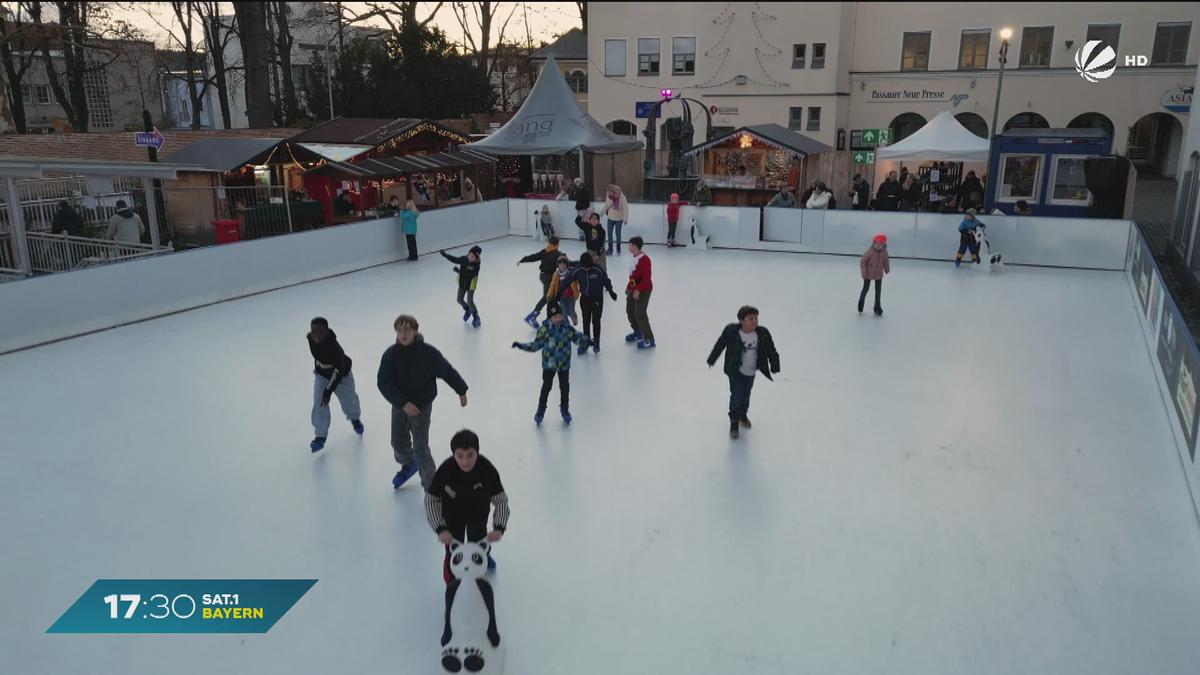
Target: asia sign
x=1178, y=100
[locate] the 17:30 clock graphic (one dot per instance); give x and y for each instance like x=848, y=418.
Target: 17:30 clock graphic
x=182, y=605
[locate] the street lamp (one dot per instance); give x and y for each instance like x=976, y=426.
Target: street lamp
x=1005, y=34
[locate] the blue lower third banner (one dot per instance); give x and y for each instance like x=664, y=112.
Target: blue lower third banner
x=182, y=606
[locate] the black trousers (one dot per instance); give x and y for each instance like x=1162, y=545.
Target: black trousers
x=671, y=230
x=592, y=308
x=546, y=279
x=412, y=246
x=862, y=297
x=466, y=299
x=564, y=388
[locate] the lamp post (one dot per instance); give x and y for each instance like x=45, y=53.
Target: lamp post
x=1005, y=34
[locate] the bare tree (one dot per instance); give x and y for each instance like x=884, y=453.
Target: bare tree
x=193, y=60
x=283, y=43
x=252, y=30
x=582, y=14
x=217, y=36
x=18, y=49
x=397, y=15
x=484, y=14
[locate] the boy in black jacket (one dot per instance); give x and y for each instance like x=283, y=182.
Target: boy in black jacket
x=748, y=349
x=595, y=237
x=465, y=488
x=593, y=281
x=407, y=378
x=547, y=260
x=468, y=277
x=332, y=372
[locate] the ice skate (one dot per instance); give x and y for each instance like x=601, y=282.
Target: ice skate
x=317, y=444
x=404, y=474
x=358, y=426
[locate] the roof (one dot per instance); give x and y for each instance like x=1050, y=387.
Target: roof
x=222, y=154
x=39, y=167
x=942, y=139
x=117, y=146
x=392, y=166
x=769, y=134
x=571, y=46
x=482, y=121
x=368, y=131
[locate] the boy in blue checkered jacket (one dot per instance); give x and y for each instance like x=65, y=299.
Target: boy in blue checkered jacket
x=554, y=338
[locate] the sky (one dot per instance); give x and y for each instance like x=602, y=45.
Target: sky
x=546, y=19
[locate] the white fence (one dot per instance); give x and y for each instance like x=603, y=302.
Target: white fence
x=62, y=253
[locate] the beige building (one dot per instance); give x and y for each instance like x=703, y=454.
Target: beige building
x=570, y=52
x=829, y=69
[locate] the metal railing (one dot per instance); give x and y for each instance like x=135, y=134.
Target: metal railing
x=10, y=267
x=260, y=210
x=61, y=253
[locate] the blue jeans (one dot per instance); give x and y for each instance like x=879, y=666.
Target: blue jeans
x=345, y=395
x=615, y=241
x=739, y=395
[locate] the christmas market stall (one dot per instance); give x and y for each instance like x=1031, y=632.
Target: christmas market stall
x=747, y=166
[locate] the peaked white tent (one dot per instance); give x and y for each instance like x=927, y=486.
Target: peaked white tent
x=550, y=122
x=942, y=139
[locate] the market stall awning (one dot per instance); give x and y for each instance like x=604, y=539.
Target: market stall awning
x=943, y=139
x=337, y=153
x=222, y=154
x=771, y=135
x=393, y=166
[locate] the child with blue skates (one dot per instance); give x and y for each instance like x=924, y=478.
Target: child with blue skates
x=554, y=339
x=468, y=278
x=331, y=368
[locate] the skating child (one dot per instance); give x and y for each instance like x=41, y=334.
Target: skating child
x=592, y=281
x=547, y=260
x=332, y=373
x=595, y=237
x=554, y=339
x=564, y=291
x=966, y=238
x=468, y=278
x=749, y=349
x=465, y=489
x=873, y=265
x=673, y=219
x=546, y=221
x=637, y=296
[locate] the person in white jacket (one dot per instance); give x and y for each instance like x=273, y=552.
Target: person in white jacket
x=819, y=198
x=616, y=206
x=125, y=226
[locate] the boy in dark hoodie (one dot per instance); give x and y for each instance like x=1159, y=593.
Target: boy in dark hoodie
x=468, y=277
x=554, y=339
x=749, y=349
x=547, y=260
x=592, y=281
x=594, y=233
x=408, y=375
x=465, y=489
x=332, y=373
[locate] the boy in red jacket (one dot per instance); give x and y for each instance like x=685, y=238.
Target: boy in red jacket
x=637, y=296
x=673, y=219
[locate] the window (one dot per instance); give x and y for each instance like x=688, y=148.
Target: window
x=683, y=53
x=26, y=95
x=1106, y=33
x=1067, y=184
x=796, y=119
x=41, y=94
x=614, y=58
x=1035, y=47
x=1022, y=178
x=973, y=49
x=648, y=54
x=300, y=76
x=577, y=81
x=1170, y=44
x=814, y=119
x=185, y=110
x=798, y=56
x=916, y=52
x=95, y=86
x=818, y=55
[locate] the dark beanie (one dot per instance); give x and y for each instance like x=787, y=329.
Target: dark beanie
x=585, y=260
x=476, y=250
x=552, y=310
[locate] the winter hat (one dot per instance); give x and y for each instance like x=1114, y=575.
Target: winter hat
x=585, y=260
x=476, y=250
x=562, y=259
x=972, y=212
x=552, y=310
x=674, y=195
x=881, y=239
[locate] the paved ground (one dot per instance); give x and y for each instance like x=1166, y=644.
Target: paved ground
x=1154, y=211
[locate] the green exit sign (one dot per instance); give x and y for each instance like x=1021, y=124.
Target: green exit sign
x=864, y=158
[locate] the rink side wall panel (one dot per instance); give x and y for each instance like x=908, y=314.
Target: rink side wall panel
x=53, y=307
x=1174, y=356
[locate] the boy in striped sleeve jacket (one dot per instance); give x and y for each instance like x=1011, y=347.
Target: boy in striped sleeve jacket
x=465, y=488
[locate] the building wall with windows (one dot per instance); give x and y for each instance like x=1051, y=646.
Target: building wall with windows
x=896, y=65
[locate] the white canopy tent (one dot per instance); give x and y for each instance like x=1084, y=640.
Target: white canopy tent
x=943, y=139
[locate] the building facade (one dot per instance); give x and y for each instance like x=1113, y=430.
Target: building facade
x=570, y=52
x=827, y=70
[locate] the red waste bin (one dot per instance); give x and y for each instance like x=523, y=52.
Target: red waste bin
x=227, y=231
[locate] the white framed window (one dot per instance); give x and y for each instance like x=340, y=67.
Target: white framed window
x=973, y=49
x=648, y=56
x=818, y=55
x=1171, y=44
x=683, y=56
x=1022, y=176
x=1035, y=46
x=26, y=94
x=814, y=119
x=614, y=58
x=798, y=54
x=41, y=94
x=796, y=118
x=1067, y=184
x=577, y=81
x=1108, y=33
x=95, y=86
x=915, y=54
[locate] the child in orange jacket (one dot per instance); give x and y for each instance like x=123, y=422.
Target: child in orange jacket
x=569, y=294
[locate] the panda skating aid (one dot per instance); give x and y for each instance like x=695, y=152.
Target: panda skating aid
x=994, y=259
x=471, y=641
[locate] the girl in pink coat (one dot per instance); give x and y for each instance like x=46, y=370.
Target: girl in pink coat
x=873, y=265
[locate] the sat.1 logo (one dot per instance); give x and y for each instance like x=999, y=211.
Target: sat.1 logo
x=1094, y=66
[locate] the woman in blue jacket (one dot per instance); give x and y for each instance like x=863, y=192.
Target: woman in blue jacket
x=408, y=225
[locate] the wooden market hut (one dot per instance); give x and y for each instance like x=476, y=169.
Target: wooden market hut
x=747, y=166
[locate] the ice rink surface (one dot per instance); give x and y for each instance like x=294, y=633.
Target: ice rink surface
x=983, y=480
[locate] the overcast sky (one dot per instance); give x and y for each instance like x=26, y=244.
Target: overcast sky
x=545, y=19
